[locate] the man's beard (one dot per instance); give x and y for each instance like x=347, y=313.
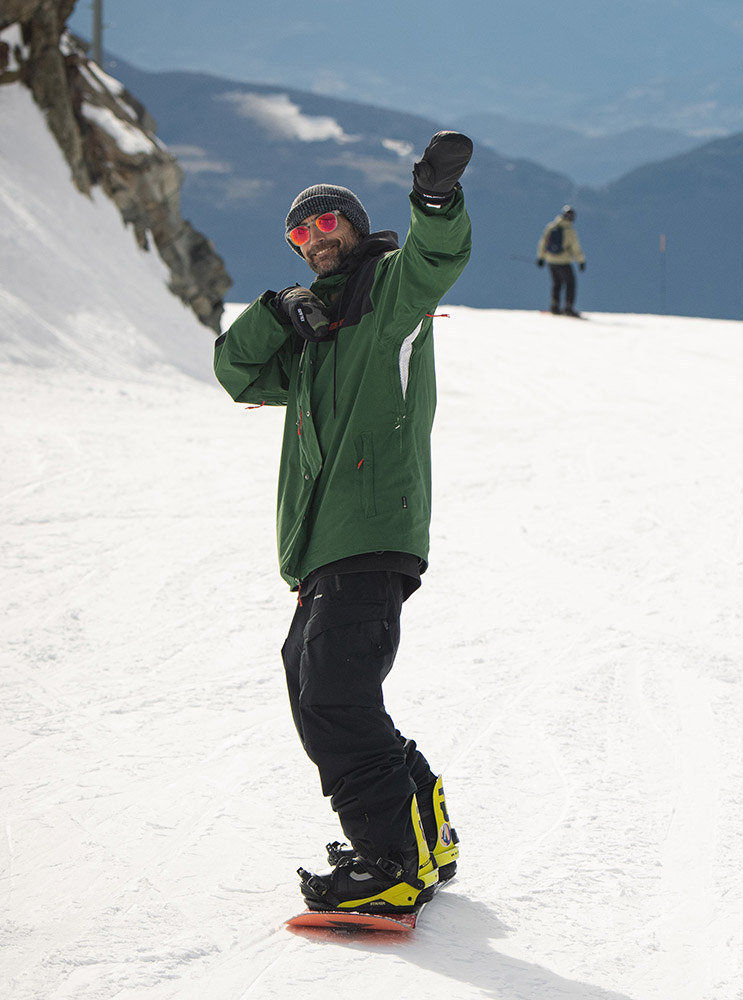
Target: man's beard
x=332, y=261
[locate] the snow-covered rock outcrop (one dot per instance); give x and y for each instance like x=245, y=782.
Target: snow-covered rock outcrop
x=109, y=139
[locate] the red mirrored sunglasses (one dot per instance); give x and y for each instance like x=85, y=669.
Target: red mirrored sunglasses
x=326, y=223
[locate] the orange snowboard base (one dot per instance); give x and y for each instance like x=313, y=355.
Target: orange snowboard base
x=351, y=921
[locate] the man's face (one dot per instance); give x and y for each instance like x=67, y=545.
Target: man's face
x=326, y=252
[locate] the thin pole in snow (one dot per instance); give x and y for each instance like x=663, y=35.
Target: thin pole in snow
x=663, y=272
x=98, y=31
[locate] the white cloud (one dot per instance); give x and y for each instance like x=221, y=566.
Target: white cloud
x=279, y=114
x=403, y=148
x=193, y=160
x=329, y=84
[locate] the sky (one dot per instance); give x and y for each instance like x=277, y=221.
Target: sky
x=586, y=63
x=571, y=663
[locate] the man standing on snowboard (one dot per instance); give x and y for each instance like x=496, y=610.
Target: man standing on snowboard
x=352, y=359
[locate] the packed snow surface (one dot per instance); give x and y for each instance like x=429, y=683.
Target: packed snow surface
x=572, y=663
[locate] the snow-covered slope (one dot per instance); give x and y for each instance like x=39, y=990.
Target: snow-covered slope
x=74, y=289
x=572, y=663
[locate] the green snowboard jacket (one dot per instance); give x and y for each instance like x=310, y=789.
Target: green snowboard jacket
x=355, y=471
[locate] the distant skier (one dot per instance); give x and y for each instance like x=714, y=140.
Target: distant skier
x=352, y=359
x=559, y=246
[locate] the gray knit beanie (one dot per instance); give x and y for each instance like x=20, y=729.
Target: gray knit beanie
x=326, y=198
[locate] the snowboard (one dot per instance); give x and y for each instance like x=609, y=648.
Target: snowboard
x=352, y=922
x=548, y=312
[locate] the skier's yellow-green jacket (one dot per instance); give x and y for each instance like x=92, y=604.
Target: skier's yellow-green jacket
x=355, y=472
x=571, y=248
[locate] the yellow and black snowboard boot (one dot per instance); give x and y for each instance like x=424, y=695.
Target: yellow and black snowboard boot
x=386, y=885
x=441, y=836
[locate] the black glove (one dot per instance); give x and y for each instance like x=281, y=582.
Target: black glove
x=540, y=261
x=305, y=311
x=436, y=175
x=582, y=265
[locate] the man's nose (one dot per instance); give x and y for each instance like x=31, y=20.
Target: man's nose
x=316, y=234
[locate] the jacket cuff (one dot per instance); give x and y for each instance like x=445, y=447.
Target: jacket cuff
x=436, y=204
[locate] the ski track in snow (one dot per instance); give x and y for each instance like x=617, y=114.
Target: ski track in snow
x=572, y=664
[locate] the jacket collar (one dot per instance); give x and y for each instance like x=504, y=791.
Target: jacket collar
x=373, y=245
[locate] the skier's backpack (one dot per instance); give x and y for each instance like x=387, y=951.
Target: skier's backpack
x=554, y=240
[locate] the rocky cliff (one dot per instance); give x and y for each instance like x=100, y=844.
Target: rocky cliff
x=109, y=139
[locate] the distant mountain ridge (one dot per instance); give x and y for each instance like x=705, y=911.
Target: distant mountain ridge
x=248, y=149
x=594, y=160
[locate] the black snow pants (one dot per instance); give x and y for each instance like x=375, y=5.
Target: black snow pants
x=562, y=275
x=341, y=646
